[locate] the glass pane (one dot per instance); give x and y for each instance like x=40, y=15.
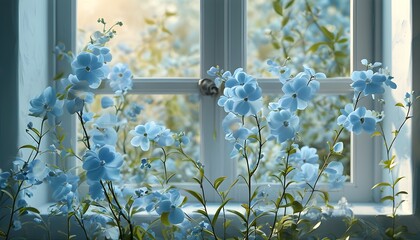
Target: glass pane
x=153, y=40
x=317, y=123
x=175, y=112
x=311, y=32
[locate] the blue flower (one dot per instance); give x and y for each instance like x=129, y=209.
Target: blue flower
x=96, y=191
x=334, y=172
x=103, y=164
x=247, y=99
x=164, y=137
x=103, y=53
x=282, y=72
x=307, y=174
x=343, y=120
x=37, y=172
x=170, y=204
x=89, y=67
x=132, y=111
x=306, y=155
x=4, y=178
x=47, y=106
x=103, y=132
x=143, y=134
x=240, y=78
x=283, y=124
x=120, y=78
x=338, y=147
x=107, y=102
x=367, y=82
x=360, y=120
x=297, y=94
x=64, y=188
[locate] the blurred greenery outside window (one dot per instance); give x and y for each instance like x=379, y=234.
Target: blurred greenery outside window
x=161, y=39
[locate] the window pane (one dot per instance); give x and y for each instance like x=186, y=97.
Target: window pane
x=175, y=112
x=317, y=123
x=154, y=40
x=315, y=33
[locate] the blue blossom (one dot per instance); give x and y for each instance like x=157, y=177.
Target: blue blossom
x=343, y=120
x=87, y=117
x=107, y=102
x=368, y=82
x=89, y=67
x=47, y=106
x=282, y=72
x=98, y=227
x=338, y=147
x=164, y=138
x=306, y=155
x=240, y=78
x=170, y=204
x=297, y=94
x=103, y=53
x=361, y=119
x=247, y=99
x=283, y=124
x=103, y=132
x=120, y=78
x=408, y=99
x=334, y=172
x=133, y=110
x=307, y=174
x=390, y=83
x=17, y=225
x=143, y=134
x=103, y=164
x=37, y=172
x=145, y=163
x=64, y=188
x=96, y=191
x=4, y=178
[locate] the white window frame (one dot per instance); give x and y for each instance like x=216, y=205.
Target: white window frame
x=224, y=44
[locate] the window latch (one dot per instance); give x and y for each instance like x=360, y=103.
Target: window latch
x=208, y=87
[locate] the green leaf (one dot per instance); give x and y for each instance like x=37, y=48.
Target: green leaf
x=399, y=105
x=387, y=198
x=340, y=54
x=7, y=193
x=276, y=44
x=202, y=212
x=327, y=33
x=381, y=184
x=196, y=196
x=297, y=207
x=59, y=76
x=397, y=180
x=149, y=21
x=28, y=146
x=2, y=234
x=28, y=209
x=218, y=181
x=285, y=21
x=216, y=214
x=289, y=39
x=240, y=215
x=315, y=46
x=289, y=4
x=164, y=218
x=401, y=192
x=277, y=7
x=343, y=40
x=376, y=134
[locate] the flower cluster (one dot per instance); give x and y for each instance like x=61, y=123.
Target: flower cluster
x=107, y=141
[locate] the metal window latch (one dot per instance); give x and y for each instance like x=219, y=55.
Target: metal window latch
x=208, y=87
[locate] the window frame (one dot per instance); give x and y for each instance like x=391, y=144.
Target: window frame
x=224, y=44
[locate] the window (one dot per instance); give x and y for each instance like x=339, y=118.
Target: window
x=224, y=39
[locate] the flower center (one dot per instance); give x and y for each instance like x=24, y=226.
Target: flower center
x=362, y=120
x=286, y=123
x=246, y=99
x=120, y=75
x=102, y=162
x=294, y=95
x=87, y=69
